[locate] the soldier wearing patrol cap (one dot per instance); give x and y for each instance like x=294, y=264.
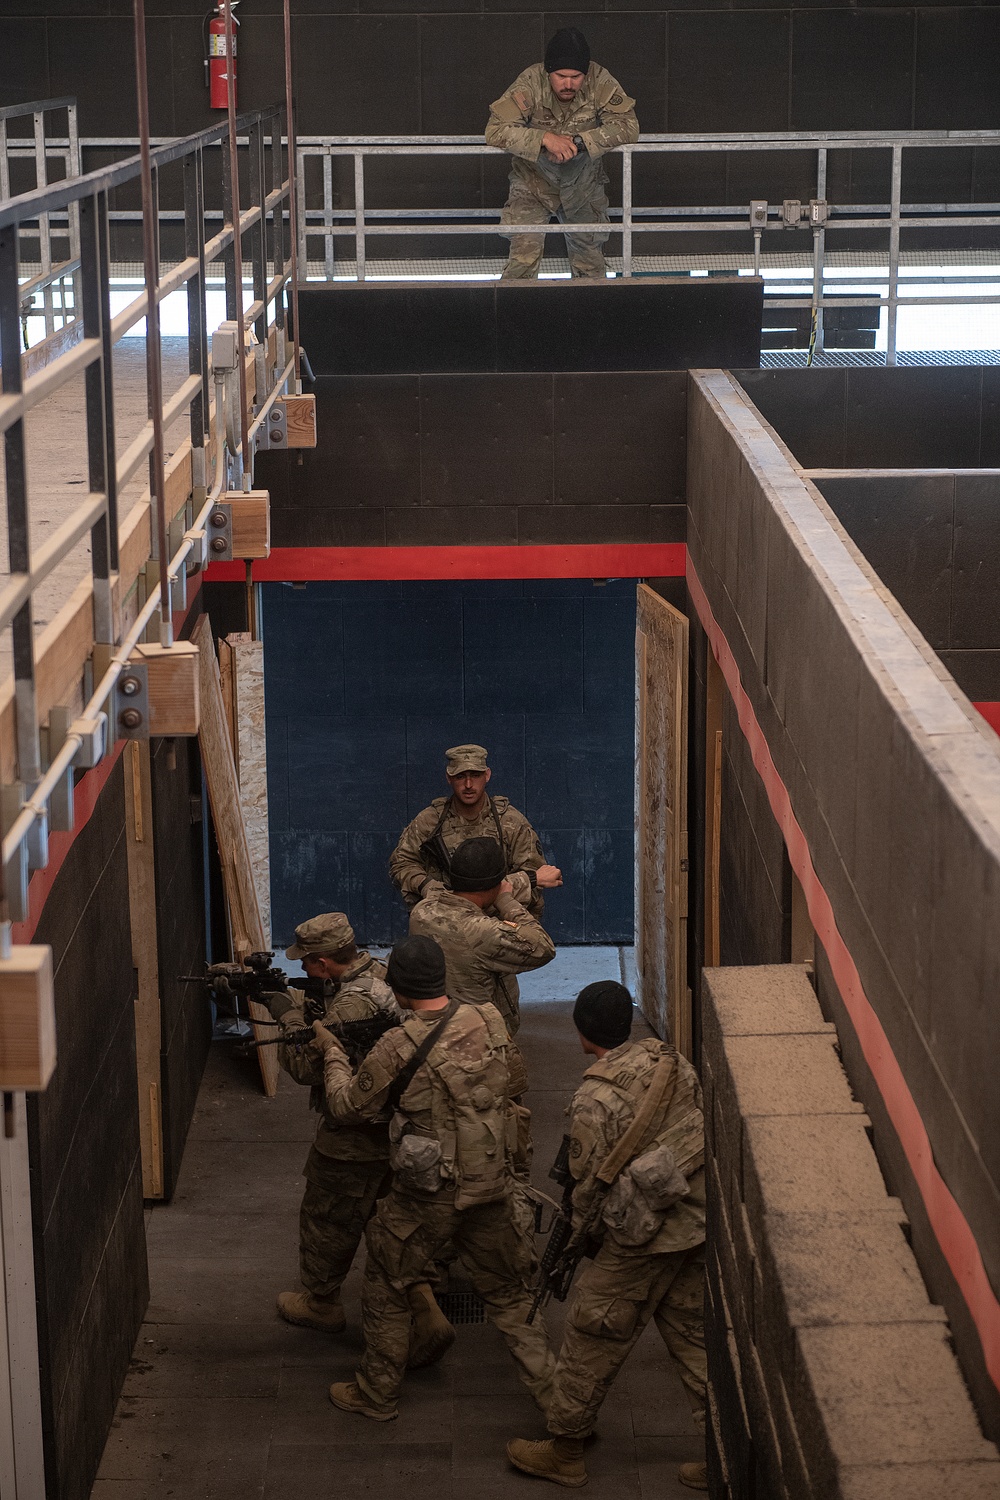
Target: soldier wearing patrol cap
x=420, y=864
x=348, y=1164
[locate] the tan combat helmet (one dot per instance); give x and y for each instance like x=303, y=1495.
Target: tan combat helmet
x=324, y=934
x=465, y=758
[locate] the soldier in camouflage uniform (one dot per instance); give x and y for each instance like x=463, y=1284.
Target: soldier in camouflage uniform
x=421, y=861
x=557, y=120
x=444, y=1074
x=348, y=1164
x=649, y=1222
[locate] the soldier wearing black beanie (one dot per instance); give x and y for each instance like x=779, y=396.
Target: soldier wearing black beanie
x=603, y=1014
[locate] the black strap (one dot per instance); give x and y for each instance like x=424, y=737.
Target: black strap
x=405, y=1076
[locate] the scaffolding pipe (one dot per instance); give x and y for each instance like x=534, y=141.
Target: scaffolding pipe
x=292, y=199
x=246, y=457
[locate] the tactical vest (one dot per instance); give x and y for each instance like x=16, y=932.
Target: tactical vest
x=470, y=1123
x=433, y=847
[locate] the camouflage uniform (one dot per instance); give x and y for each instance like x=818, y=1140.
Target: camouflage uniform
x=484, y=951
x=348, y=1164
x=415, y=872
x=626, y=1285
x=603, y=116
x=413, y=1222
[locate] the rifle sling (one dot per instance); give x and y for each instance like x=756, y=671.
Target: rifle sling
x=405, y=1076
x=652, y=1111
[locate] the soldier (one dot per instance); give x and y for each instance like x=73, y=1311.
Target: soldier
x=648, y=1213
x=557, y=120
x=348, y=1163
x=487, y=936
x=444, y=1074
x=421, y=861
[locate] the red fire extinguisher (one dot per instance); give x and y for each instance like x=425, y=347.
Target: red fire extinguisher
x=216, y=71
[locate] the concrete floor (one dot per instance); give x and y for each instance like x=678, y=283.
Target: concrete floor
x=224, y=1401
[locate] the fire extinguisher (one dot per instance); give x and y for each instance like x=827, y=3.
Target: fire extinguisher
x=216, y=72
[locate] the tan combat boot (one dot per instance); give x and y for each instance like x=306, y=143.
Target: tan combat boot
x=432, y=1335
x=559, y=1459
x=348, y=1396
x=695, y=1476
x=310, y=1312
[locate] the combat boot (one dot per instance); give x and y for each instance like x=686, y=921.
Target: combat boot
x=559, y=1459
x=312, y=1312
x=432, y=1335
x=695, y=1476
x=348, y=1396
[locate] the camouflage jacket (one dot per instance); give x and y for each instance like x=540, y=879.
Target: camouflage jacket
x=470, y=1037
x=604, y=1106
x=602, y=114
x=411, y=866
x=484, y=950
x=361, y=993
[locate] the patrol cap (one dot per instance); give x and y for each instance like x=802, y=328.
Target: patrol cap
x=465, y=758
x=477, y=865
x=416, y=968
x=324, y=934
x=603, y=1013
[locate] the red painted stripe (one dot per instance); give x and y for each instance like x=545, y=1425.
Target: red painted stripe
x=949, y=1224
x=991, y=713
x=304, y=564
x=88, y=790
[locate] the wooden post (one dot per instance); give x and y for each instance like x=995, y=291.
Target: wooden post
x=145, y=959
x=713, y=810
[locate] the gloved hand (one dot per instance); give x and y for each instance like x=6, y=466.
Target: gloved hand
x=280, y=1004
x=326, y=1039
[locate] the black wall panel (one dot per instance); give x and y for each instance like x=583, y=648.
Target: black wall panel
x=434, y=460
x=369, y=683
x=90, y=1251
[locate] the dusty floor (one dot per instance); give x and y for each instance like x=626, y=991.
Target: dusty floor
x=226, y=1402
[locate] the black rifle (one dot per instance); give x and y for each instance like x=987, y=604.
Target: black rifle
x=356, y=1037
x=565, y=1249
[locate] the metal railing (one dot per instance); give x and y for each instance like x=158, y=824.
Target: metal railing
x=41, y=796
x=329, y=220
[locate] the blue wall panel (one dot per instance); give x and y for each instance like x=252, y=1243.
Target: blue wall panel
x=369, y=683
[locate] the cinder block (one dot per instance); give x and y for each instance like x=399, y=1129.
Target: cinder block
x=972, y=1481
x=783, y=1075
x=885, y=1396
x=767, y=1448
x=820, y=1164
x=729, y=1411
x=793, y=1460
x=735, y=1274
x=770, y=1000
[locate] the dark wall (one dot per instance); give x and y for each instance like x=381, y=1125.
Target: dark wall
x=185, y=1014
x=937, y=417
x=755, y=897
x=932, y=539
x=423, y=460
x=90, y=1247
x=367, y=686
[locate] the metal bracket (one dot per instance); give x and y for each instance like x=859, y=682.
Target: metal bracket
x=274, y=429
x=16, y=871
x=94, y=741
x=220, y=533
x=758, y=213
x=61, y=809
x=131, y=703
x=791, y=213
x=175, y=535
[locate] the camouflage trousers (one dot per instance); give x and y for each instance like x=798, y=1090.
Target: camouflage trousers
x=575, y=198
x=403, y=1238
x=339, y=1199
x=613, y=1301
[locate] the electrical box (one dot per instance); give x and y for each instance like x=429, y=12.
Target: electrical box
x=27, y=1018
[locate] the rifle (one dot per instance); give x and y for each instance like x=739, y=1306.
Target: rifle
x=356, y=1037
x=565, y=1249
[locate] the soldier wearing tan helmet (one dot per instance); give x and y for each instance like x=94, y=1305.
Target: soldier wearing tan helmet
x=348, y=1163
x=420, y=864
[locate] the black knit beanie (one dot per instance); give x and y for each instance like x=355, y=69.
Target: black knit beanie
x=416, y=969
x=477, y=865
x=568, y=50
x=603, y=1013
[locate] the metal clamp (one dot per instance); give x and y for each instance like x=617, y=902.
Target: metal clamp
x=94, y=741
x=16, y=872
x=220, y=533
x=131, y=703
x=273, y=431
x=61, y=809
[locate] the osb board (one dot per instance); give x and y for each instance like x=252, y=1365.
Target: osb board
x=251, y=761
x=245, y=922
x=661, y=817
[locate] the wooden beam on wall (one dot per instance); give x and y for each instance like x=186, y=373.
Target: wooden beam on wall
x=145, y=958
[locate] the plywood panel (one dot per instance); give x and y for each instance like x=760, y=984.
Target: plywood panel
x=247, y=657
x=661, y=804
x=246, y=926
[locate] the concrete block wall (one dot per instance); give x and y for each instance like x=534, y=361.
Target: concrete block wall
x=832, y=1374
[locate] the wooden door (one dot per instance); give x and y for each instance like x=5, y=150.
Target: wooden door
x=661, y=655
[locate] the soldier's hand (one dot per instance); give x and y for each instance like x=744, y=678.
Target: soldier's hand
x=280, y=1004
x=548, y=877
x=559, y=147
x=326, y=1039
